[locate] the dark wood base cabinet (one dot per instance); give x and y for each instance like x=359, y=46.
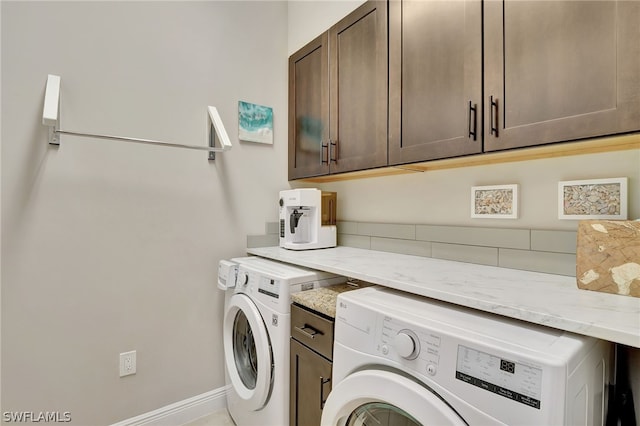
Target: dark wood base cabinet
x=310, y=365
x=310, y=385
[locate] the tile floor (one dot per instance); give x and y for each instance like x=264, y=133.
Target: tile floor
x=218, y=418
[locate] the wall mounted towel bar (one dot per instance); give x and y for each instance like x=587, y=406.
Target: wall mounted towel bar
x=51, y=118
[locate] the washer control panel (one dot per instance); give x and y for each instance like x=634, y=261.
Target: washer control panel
x=269, y=286
x=517, y=381
x=398, y=340
x=259, y=284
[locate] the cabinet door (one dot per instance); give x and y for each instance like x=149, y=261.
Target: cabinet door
x=310, y=382
x=309, y=110
x=358, y=79
x=560, y=70
x=435, y=79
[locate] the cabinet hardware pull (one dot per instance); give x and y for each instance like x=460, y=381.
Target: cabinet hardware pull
x=323, y=382
x=310, y=334
x=322, y=151
x=334, y=151
x=473, y=108
x=494, y=116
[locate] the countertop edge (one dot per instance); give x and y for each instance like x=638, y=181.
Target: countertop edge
x=558, y=303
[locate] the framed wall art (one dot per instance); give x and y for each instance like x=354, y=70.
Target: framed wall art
x=494, y=202
x=593, y=199
x=255, y=123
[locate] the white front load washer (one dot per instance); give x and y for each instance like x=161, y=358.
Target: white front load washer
x=256, y=331
x=406, y=360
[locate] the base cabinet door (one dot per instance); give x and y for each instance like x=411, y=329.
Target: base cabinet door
x=560, y=70
x=310, y=384
x=435, y=79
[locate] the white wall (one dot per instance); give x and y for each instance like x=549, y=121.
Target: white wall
x=109, y=247
x=442, y=197
x=310, y=18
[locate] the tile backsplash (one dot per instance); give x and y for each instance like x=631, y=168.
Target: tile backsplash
x=527, y=249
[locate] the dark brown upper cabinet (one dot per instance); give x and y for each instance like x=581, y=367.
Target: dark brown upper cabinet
x=435, y=79
x=338, y=86
x=560, y=70
x=463, y=77
x=309, y=109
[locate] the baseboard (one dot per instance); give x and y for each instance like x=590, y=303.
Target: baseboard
x=181, y=412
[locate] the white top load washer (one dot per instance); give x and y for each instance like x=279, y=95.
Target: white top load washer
x=401, y=359
x=256, y=333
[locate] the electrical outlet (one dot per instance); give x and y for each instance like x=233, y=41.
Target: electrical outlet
x=127, y=363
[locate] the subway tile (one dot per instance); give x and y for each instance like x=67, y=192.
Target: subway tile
x=269, y=240
x=393, y=245
x=272, y=227
x=475, y=236
x=462, y=253
x=357, y=241
x=539, y=261
x=346, y=227
x=387, y=230
x=554, y=241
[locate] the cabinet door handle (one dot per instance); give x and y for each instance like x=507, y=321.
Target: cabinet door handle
x=494, y=116
x=473, y=108
x=334, y=151
x=308, y=331
x=322, y=153
x=323, y=382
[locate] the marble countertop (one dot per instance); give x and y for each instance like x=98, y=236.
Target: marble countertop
x=551, y=300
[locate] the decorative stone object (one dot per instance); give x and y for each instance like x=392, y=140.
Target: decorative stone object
x=608, y=256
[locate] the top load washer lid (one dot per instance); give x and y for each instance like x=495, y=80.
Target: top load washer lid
x=540, y=342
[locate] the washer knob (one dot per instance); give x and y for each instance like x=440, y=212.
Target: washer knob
x=406, y=344
x=244, y=279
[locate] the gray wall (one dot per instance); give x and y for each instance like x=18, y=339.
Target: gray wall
x=109, y=247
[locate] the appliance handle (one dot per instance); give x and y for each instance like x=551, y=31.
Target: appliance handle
x=294, y=218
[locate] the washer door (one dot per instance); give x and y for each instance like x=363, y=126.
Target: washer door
x=247, y=351
x=383, y=398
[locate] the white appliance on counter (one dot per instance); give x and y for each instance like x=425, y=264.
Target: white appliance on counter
x=307, y=219
x=401, y=359
x=256, y=331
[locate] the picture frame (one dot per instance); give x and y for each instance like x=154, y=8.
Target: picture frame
x=593, y=199
x=255, y=123
x=494, y=202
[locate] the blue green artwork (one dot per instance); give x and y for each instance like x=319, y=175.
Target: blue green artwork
x=255, y=123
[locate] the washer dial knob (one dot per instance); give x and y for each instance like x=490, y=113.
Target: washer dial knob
x=243, y=279
x=406, y=344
